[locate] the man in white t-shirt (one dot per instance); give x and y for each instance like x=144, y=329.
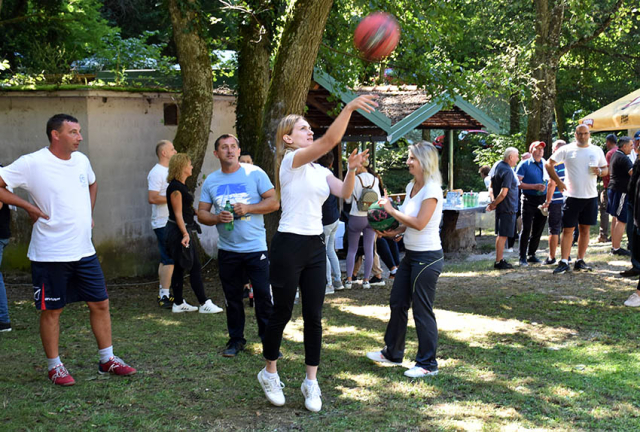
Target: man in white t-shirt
x=583, y=162
x=157, y=180
x=64, y=264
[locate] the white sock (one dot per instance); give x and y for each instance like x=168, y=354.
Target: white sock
x=309, y=382
x=393, y=271
x=564, y=261
x=52, y=363
x=269, y=374
x=164, y=292
x=105, y=354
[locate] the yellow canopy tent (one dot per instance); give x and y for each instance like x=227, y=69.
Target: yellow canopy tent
x=621, y=114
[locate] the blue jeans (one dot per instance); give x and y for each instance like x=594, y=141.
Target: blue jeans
x=4, y=307
x=333, y=265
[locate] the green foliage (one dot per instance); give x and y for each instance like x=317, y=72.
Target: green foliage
x=391, y=166
x=497, y=144
x=47, y=36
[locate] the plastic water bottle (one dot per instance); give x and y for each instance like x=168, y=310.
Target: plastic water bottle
x=228, y=225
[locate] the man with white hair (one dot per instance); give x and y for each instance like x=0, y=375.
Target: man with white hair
x=505, y=203
x=584, y=162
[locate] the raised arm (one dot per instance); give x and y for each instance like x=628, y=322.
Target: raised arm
x=335, y=132
x=343, y=189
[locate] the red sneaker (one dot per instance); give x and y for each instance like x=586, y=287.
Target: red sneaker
x=59, y=375
x=116, y=366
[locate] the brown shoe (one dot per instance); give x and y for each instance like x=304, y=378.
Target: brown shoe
x=603, y=239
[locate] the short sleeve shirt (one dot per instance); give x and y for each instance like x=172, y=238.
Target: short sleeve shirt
x=619, y=171
x=157, y=181
x=532, y=172
x=427, y=239
x=303, y=191
x=60, y=188
x=580, y=181
x=504, y=177
x=605, y=179
x=245, y=186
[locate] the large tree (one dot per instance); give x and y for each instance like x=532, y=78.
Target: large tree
x=196, y=107
x=555, y=17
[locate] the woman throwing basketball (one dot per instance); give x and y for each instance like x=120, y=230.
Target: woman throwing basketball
x=421, y=266
x=298, y=253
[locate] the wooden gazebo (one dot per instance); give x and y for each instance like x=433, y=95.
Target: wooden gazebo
x=402, y=109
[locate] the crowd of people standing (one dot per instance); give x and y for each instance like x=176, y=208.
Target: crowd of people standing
x=302, y=258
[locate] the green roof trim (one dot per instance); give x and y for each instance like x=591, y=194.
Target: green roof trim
x=477, y=114
x=326, y=81
x=413, y=120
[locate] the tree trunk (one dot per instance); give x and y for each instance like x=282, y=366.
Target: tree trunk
x=293, y=69
x=291, y=78
x=514, y=113
x=544, y=67
x=253, y=72
x=561, y=119
x=196, y=107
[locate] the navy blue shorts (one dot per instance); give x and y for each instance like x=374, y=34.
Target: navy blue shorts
x=555, y=218
x=505, y=224
x=579, y=211
x=56, y=284
x=617, y=205
x=165, y=259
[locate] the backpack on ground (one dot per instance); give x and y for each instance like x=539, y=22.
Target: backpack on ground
x=367, y=197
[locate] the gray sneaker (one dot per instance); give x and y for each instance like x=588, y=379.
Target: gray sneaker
x=337, y=285
x=329, y=290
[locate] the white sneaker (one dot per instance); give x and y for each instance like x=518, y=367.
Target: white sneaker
x=329, y=290
x=377, y=357
x=272, y=388
x=509, y=250
x=210, y=308
x=418, y=372
x=311, y=393
x=366, y=285
x=633, y=300
x=348, y=284
x=184, y=307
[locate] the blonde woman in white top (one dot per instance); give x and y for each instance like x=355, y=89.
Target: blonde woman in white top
x=417, y=275
x=298, y=252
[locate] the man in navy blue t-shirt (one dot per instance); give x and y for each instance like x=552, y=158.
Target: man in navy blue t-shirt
x=505, y=190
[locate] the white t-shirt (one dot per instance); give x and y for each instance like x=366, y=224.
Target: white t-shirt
x=157, y=180
x=427, y=239
x=581, y=183
x=369, y=180
x=303, y=190
x=60, y=188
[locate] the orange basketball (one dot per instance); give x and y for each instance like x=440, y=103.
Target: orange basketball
x=377, y=35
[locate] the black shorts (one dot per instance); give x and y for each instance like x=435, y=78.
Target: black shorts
x=56, y=284
x=505, y=224
x=617, y=205
x=555, y=218
x=579, y=211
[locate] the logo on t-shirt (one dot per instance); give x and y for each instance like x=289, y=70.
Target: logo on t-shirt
x=83, y=180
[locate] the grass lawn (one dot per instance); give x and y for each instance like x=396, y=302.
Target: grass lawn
x=518, y=350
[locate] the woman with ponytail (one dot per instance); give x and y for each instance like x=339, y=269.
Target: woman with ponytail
x=298, y=253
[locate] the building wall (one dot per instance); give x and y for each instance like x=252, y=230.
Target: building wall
x=120, y=131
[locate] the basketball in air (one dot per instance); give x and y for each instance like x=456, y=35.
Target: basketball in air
x=377, y=35
x=379, y=219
